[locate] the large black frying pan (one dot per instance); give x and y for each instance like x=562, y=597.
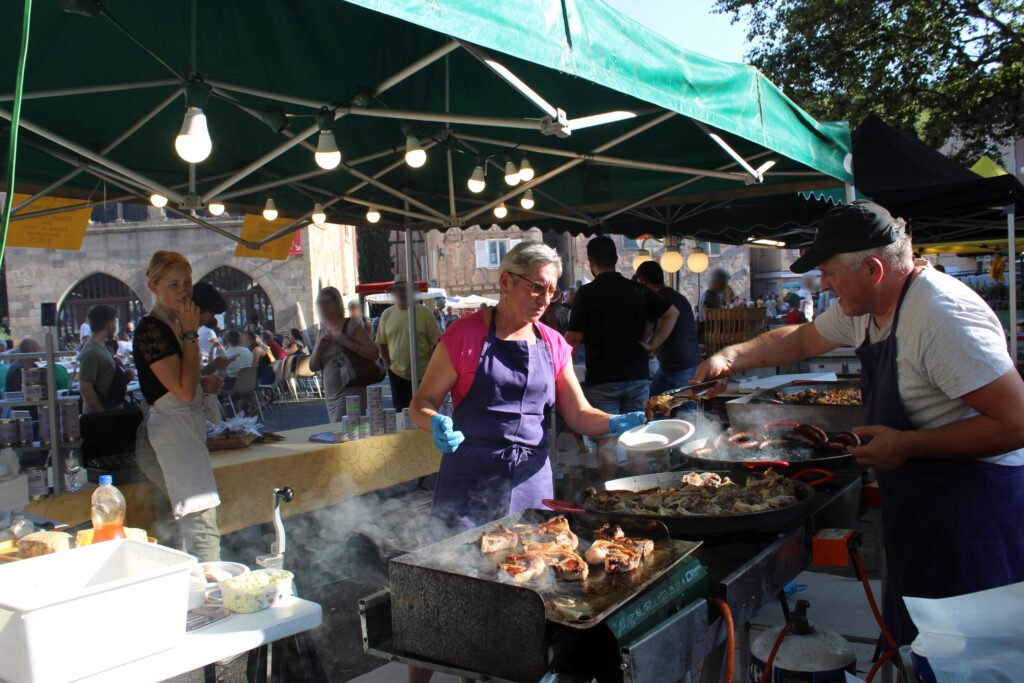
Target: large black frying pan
x=800, y=459
x=689, y=526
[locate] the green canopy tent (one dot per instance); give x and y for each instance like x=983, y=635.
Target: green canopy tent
x=606, y=113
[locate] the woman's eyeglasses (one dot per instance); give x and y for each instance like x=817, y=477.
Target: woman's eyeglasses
x=539, y=289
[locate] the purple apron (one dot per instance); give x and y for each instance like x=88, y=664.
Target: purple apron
x=502, y=467
x=951, y=526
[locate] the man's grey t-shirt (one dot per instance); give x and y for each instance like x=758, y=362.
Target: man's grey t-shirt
x=948, y=343
x=96, y=365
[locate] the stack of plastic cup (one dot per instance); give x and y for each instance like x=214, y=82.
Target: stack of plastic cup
x=364, y=427
x=353, y=405
x=390, y=421
x=406, y=421
x=374, y=399
x=350, y=427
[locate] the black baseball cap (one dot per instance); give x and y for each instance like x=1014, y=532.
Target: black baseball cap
x=845, y=229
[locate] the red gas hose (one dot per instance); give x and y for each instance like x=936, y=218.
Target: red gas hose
x=766, y=674
x=859, y=563
x=878, y=664
x=730, y=638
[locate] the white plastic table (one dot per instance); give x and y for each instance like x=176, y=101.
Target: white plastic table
x=237, y=634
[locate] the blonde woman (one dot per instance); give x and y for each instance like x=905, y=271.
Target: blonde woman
x=171, y=444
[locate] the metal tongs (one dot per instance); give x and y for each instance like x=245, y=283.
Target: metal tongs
x=275, y=560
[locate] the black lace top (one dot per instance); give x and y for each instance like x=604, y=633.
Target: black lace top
x=153, y=342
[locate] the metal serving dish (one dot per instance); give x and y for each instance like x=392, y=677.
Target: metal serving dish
x=752, y=412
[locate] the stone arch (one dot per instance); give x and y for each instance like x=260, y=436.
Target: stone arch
x=246, y=297
x=95, y=288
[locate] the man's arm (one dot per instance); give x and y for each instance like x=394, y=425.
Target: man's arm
x=998, y=429
x=89, y=395
x=574, y=339
x=666, y=323
x=783, y=346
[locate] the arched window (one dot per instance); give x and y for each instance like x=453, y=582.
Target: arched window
x=247, y=302
x=96, y=289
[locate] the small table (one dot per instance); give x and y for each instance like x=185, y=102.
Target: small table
x=237, y=634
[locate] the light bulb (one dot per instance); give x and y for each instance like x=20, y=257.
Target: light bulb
x=641, y=256
x=501, y=210
x=476, y=181
x=697, y=261
x=527, y=201
x=671, y=261
x=511, y=174
x=193, y=143
x=525, y=171
x=415, y=156
x=158, y=200
x=270, y=210
x=215, y=208
x=327, y=155
x=372, y=214
x=319, y=216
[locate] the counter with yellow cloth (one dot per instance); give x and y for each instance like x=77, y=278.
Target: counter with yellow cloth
x=320, y=474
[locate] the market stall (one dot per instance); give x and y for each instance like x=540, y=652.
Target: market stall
x=320, y=474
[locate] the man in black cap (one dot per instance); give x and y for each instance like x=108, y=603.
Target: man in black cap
x=943, y=407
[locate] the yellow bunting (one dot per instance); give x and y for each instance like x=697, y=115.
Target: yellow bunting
x=256, y=228
x=56, y=231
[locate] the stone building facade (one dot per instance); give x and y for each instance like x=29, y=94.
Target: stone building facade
x=122, y=250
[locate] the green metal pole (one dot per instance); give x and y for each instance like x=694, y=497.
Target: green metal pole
x=12, y=152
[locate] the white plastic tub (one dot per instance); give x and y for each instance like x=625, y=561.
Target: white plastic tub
x=76, y=613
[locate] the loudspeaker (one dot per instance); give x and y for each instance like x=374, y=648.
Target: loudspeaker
x=48, y=315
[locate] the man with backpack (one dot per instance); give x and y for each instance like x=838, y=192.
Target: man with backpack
x=101, y=381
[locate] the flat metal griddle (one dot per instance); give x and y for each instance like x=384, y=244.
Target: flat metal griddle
x=682, y=526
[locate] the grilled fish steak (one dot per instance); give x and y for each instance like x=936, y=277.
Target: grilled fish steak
x=501, y=539
x=523, y=568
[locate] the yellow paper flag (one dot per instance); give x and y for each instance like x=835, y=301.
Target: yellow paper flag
x=256, y=228
x=56, y=231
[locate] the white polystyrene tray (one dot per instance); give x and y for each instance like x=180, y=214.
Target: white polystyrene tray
x=72, y=614
x=656, y=436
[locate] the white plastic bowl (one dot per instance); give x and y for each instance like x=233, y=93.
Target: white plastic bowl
x=656, y=436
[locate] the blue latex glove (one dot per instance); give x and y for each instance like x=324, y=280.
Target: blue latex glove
x=445, y=438
x=620, y=423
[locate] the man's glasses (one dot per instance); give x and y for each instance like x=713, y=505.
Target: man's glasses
x=539, y=289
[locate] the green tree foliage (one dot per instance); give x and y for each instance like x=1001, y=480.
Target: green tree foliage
x=945, y=69
x=374, y=246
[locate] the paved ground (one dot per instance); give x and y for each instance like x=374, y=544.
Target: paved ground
x=340, y=555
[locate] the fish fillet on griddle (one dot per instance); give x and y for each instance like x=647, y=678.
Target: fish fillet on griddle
x=501, y=539
x=568, y=565
x=523, y=568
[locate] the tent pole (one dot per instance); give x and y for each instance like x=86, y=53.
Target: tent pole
x=427, y=146
x=262, y=161
x=106, y=150
x=393, y=192
x=96, y=158
x=567, y=166
x=851, y=193
x=410, y=291
x=506, y=75
x=731, y=152
x=90, y=90
x=1011, y=244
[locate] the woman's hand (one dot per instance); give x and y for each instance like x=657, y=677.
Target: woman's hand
x=445, y=437
x=188, y=316
x=212, y=384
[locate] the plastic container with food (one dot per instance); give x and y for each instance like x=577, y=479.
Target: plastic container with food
x=256, y=590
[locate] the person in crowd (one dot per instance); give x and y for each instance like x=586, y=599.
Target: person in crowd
x=240, y=355
x=84, y=332
x=12, y=382
x=556, y=317
x=262, y=356
x=171, y=443
x=794, y=313
x=275, y=349
x=355, y=312
x=124, y=344
x=715, y=295
x=610, y=317
x=450, y=317
x=211, y=304
x=569, y=299
x=943, y=407
x=295, y=346
x=338, y=336
x=770, y=308
x=442, y=324
x=100, y=381
x=807, y=292
x=130, y=328
x=394, y=340
x=505, y=370
x=679, y=356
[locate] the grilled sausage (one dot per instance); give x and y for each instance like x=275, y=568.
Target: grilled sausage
x=801, y=439
x=813, y=431
x=745, y=440
x=848, y=438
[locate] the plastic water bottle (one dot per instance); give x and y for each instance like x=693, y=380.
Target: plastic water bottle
x=108, y=508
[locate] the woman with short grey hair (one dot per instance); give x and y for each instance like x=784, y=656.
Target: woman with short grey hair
x=505, y=370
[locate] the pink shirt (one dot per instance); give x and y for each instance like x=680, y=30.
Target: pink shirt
x=465, y=340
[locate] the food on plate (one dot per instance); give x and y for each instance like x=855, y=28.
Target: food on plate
x=701, y=493
x=523, y=568
x=837, y=396
x=501, y=539
x=43, y=543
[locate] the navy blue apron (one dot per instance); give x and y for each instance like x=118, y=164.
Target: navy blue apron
x=951, y=526
x=502, y=467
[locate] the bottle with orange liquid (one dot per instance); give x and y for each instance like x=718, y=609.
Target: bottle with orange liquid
x=108, y=508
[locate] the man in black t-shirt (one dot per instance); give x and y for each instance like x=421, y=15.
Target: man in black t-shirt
x=609, y=316
x=679, y=356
